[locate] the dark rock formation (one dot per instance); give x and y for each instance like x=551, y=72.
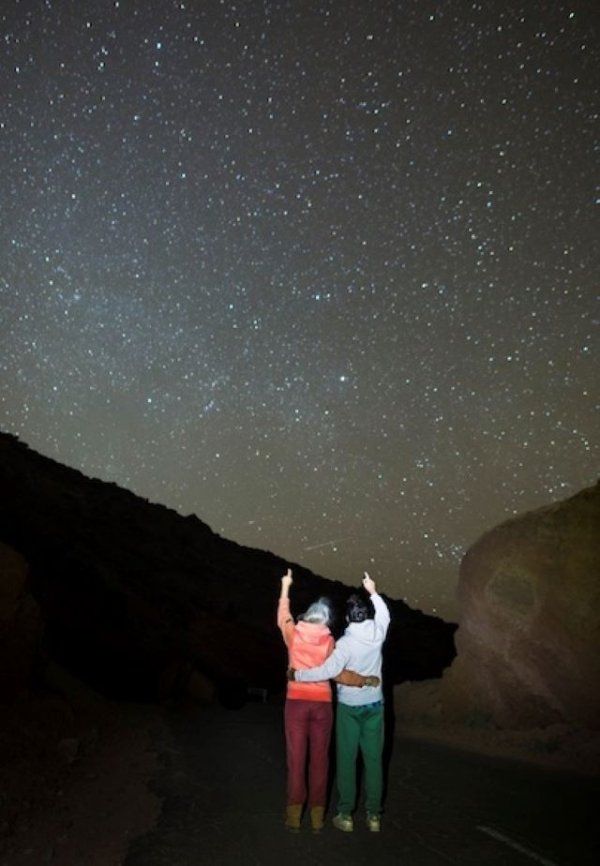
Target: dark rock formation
x=140, y=601
x=528, y=642
x=529, y=638
x=21, y=627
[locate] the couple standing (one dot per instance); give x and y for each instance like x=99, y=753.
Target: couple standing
x=355, y=665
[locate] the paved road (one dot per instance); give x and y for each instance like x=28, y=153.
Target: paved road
x=223, y=788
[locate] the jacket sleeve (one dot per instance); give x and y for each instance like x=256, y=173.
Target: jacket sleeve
x=285, y=620
x=330, y=668
x=382, y=614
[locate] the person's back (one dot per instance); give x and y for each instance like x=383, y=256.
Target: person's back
x=361, y=645
x=359, y=718
x=308, y=713
x=309, y=643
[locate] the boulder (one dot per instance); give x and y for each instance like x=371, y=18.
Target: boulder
x=529, y=638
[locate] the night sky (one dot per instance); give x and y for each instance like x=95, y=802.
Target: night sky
x=322, y=273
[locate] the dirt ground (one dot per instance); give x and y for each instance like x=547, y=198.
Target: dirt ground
x=75, y=774
x=556, y=747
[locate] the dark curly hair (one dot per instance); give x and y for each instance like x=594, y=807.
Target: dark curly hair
x=359, y=608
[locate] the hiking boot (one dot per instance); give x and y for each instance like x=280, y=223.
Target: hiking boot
x=317, y=814
x=374, y=823
x=344, y=823
x=293, y=814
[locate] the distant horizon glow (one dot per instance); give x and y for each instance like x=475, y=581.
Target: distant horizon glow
x=324, y=276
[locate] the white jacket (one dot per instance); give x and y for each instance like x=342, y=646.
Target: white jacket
x=359, y=649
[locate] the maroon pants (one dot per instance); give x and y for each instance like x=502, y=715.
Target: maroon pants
x=307, y=729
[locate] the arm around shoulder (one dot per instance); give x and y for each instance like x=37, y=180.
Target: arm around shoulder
x=330, y=668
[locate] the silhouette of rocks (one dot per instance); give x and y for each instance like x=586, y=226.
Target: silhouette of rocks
x=75, y=772
x=143, y=603
x=21, y=626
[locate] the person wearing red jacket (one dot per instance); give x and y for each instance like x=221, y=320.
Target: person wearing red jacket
x=360, y=720
x=308, y=708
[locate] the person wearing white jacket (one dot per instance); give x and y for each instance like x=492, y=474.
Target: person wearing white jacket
x=359, y=718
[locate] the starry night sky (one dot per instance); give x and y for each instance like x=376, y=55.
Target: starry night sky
x=322, y=273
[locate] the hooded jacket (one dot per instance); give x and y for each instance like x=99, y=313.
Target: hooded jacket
x=359, y=649
x=309, y=644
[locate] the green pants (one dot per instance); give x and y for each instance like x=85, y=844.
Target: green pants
x=359, y=727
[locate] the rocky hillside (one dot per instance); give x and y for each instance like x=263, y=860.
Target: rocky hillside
x=141, y=603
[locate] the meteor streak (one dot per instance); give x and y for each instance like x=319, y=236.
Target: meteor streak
x=328, y=543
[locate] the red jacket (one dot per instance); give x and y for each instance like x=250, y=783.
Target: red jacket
x=309, y=644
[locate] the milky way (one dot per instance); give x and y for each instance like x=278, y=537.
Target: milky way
x=322, y=273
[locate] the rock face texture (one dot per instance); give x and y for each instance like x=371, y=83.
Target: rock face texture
x=140, y=602
x=21, y=627
x=529, y=638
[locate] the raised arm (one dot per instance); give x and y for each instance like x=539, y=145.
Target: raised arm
x=285, y=620
x=382, y=614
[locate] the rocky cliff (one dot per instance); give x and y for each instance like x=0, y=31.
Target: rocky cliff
x=141, y=602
